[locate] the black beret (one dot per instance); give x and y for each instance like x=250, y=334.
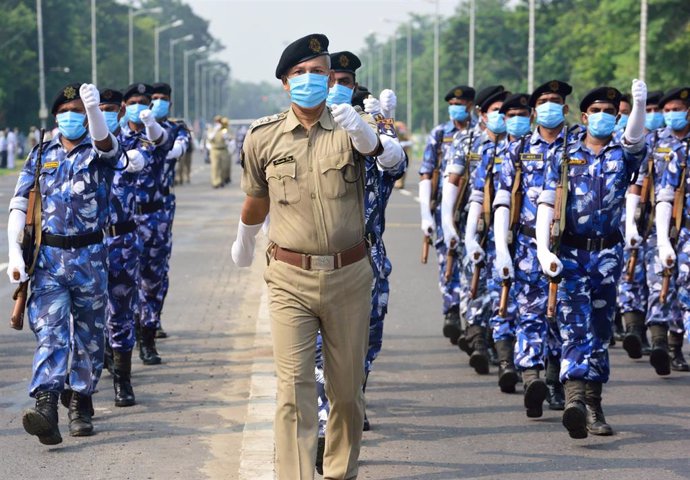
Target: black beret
x=66, y=94
x=486, y=93
x=654, y=97
x=359, y=95
x=345, y=62
x=600, y=94
x=518, y=101
x=161, y=87
x=681, y=93
x=137, y=89
x=111, y=96
x=553, y=86
x=301, y=50
x=461, y=92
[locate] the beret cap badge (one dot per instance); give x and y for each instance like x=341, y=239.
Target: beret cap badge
x=684, y=94
x=523, y=100
x=458, y=92
x=554, y=86
x=69, y=93
x=107, y=95
x=344, y=61
x=315, y=45
x=611, y=94
x=141, y=88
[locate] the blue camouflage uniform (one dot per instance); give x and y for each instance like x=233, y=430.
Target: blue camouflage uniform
x=674, y=151
x=435, y=157
x=69, y=284
x=151, y=224
x=378, y=187
x=597, y=185
x=483, y=308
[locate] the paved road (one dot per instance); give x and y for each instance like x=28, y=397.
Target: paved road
x=207, y=411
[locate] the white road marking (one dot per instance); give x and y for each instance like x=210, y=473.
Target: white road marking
x=257, y=456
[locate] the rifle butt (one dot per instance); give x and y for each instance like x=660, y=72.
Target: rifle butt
x=551, y=303
x=503, y=303
x=17, y=318
x=474, y=286
x=665, y=284
x=425, y=249
x=632, y=263
x=450, y=263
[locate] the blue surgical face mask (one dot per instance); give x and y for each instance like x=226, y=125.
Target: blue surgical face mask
x=160, y=108
x=622, y=122
x=112, y=121
x=458, y=112
x=601, y=124
x=676, y=120
x=309, y=89
x=339, y=94
x=496, y=122
x=133, y=112
x=517, y=126
x=71, y=124
x=654, y=120
x=550, y=115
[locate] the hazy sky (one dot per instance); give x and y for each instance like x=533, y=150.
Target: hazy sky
x=255, y=32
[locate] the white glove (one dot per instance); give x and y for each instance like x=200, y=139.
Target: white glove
x=177, y=151
x=428, y=224
x=388, y=103
x=91, y=98
x=474, y=252
x=392, y=153
x=663, y=211
x=136, y=161
x=266, y=225
x=504, y=263
x=543, y=232
x=372, y=105
x=448, y=198
x=15, y=226
x=153, y=130
x=632, y=236
x=363, y=137
x=243, y=247
x=634, y=130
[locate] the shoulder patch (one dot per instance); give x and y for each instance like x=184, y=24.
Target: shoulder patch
x=268, y=119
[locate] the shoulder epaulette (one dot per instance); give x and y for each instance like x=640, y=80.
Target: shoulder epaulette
x=268, y=119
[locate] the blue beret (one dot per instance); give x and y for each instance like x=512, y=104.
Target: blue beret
x=301, y=50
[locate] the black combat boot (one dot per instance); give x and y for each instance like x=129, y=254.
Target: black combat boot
x=675, y=343
x=618, y=332
x=122, y=373
x=367, y=425
x=596, y=422
x=535, y=392
x=634, y=330
x=320, y=447
x=451, y=324
x=108, y=356
x=555, y=394
x=464, y=343
x=80, y=408
x=491, y=348
x=42, y=420
x=646, y=347
x=147, y=347
x=659, y=358
x=479, y=360
x=507, y=375
x=160, y=333
x=575, y=413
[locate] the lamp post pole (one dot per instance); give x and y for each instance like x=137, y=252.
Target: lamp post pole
x=156, y=42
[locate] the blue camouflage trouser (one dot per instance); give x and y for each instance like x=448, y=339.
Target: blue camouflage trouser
x=502, y=328
x=535, y=336
x=169, y=215
x=450, y=290
x=152, y=266
x=483, y=309
x=124, y=252
x=683, y=281
x=670, y=312
x=586, y=305
x=68, y=285
x=633, y=293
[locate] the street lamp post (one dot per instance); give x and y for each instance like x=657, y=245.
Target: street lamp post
x=643, y=40
x=530, y=48
x=94, y=60
x=43, y=109
x=436, y=64
x=156, y=40
x=186, y=56
x=132, y=13
x=197, y=88
x=174, y=42
x=409, y=76
x=470, y=55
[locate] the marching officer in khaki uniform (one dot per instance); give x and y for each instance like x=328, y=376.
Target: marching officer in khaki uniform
x=218, y=150
x=226, y=165
x=306, y=165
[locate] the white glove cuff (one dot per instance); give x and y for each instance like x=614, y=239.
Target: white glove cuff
x=472, y=219
x=543, y=226
x=634, y=130
x=631, y=202
x=663, y=223
x=448, y=199
x=97, y=126
x=154, y=132
x=176, y=152
x=392, y=153
x=15, y=227
x=247, y=233
x=364, y=138
x=501, y=226
x=425, y=193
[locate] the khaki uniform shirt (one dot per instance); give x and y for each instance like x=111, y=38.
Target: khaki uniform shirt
x=313, y=180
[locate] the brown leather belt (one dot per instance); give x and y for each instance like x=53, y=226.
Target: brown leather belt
x=321, y=262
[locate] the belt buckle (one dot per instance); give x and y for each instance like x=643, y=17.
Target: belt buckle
x=322, y=262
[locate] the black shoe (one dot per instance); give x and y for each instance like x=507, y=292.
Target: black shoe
x=42, y=420
x=555, y=395
x=678, y=362
x=320, y=447
x=596, y=422
x=451, y=325
x=160, y=333
x=464, y=345
x=80, y=408
x=646, y=347
x=479, y=360
x=367, y=425
x=108, y=356
x=147, y=347
x=632, y=344
x=575, y=413
x=660, y=360
x=507, y=377
x=535, y=393
x=124, y=393
x=66, y=398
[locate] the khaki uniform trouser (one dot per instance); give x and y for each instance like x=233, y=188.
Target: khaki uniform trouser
x=302, y=302
x=226, y=165
x=184, y=168
x=216, y=155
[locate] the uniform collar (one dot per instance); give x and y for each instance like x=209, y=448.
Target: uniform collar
x=449, y=127
x=580, y=144
x=325, y=120
x=55, y=142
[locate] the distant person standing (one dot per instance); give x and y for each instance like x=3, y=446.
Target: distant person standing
x=12, y=146
x=3, y=149
x=217, y=151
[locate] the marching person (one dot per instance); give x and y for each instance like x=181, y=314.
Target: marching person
x=69, y=281
x=307, y=166
x=218, y=149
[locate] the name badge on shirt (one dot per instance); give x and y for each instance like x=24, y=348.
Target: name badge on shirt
x=532, y=157
x=663, y=150
x=474, y=157
x=280, y=161
x=49, y=165
x=577, y=161
x=447, y=139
